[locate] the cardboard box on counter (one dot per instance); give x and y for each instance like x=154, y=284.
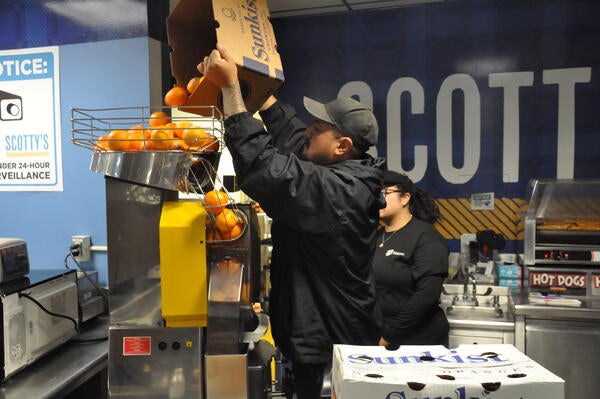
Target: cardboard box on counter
x=431, y=372
x=243, y=27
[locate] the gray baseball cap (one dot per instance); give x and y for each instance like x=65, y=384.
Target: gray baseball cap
x=350, y=117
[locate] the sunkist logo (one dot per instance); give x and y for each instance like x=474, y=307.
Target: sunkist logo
x=450, y=357
x=258, y=48
x=459, y=393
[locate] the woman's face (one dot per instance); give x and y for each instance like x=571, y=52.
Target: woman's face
x=396, y=202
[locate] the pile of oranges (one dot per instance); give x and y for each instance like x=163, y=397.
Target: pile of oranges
x=226, y=224
x=161, y=134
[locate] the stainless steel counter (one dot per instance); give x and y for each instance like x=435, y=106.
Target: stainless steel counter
x=481, y=323
x=64, y=369
x=589, y=309
x=563, y=339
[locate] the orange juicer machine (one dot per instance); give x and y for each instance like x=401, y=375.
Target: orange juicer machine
x=180, y=307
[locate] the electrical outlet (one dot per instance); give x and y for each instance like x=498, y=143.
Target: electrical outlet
x=84, y=243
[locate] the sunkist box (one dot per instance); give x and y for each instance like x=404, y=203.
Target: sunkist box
x=435, y=372
x=243, y=27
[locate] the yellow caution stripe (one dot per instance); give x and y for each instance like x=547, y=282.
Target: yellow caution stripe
x=458, y=218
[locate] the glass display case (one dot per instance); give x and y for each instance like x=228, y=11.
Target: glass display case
x=558, y=325
x=562, y=222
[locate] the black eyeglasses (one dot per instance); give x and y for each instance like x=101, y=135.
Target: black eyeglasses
x=386, y=191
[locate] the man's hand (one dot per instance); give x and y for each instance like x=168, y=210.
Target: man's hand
x=219, y=67
x=383, y=342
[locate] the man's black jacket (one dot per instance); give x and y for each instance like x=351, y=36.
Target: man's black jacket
x=324, y=225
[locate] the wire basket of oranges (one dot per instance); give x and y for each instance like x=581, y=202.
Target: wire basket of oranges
x=153, y=146
x=224, y=222
x=133, y=129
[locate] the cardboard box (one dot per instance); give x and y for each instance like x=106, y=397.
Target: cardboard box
x=243, y=27
x=435, y=372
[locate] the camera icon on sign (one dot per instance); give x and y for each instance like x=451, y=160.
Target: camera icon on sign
x=11, y=107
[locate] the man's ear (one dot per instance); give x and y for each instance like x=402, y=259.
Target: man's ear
x=344, y=146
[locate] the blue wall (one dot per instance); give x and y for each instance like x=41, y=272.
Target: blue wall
x=476, y=39
x=436, y=76
x=39, y=23
x=102, y=74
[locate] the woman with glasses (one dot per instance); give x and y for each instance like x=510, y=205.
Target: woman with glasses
x=410, y=265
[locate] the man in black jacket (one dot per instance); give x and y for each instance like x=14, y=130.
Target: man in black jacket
x=323, y=193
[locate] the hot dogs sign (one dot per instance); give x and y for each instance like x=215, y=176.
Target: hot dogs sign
x=572, y=283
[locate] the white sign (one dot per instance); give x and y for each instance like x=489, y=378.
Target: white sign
x=30, y=131
x=482, y=202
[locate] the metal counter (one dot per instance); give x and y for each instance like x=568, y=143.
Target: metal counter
x=589, y=309
x=63, y=370
x=482, y=324
x=563, y=339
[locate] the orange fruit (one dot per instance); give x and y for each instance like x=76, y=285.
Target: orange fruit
x=226, y=220
x=194, y=136
x=184, y=124
x=160, y=139
x=213, y=145
x=200, y=140
x=137, y=136
x=136, y=128
x=102, y=143
x=181, y=126
x=136, y=140
x=176, y=96
x=159, y=118
x=179, y=144
x=233, y=233
x=213, y=235
x=194, y=83
x=118, y=140
x=215, y=201
x=236, y=231
x=170, y=128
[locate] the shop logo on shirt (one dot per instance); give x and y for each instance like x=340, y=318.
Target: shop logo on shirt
x=391, y=252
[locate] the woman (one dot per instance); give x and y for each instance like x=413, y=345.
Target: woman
x=410, y=265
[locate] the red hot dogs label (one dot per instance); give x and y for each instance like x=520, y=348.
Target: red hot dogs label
x=596, y=280
x=558, y=280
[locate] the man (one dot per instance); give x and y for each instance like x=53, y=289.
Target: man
x=323, y=193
